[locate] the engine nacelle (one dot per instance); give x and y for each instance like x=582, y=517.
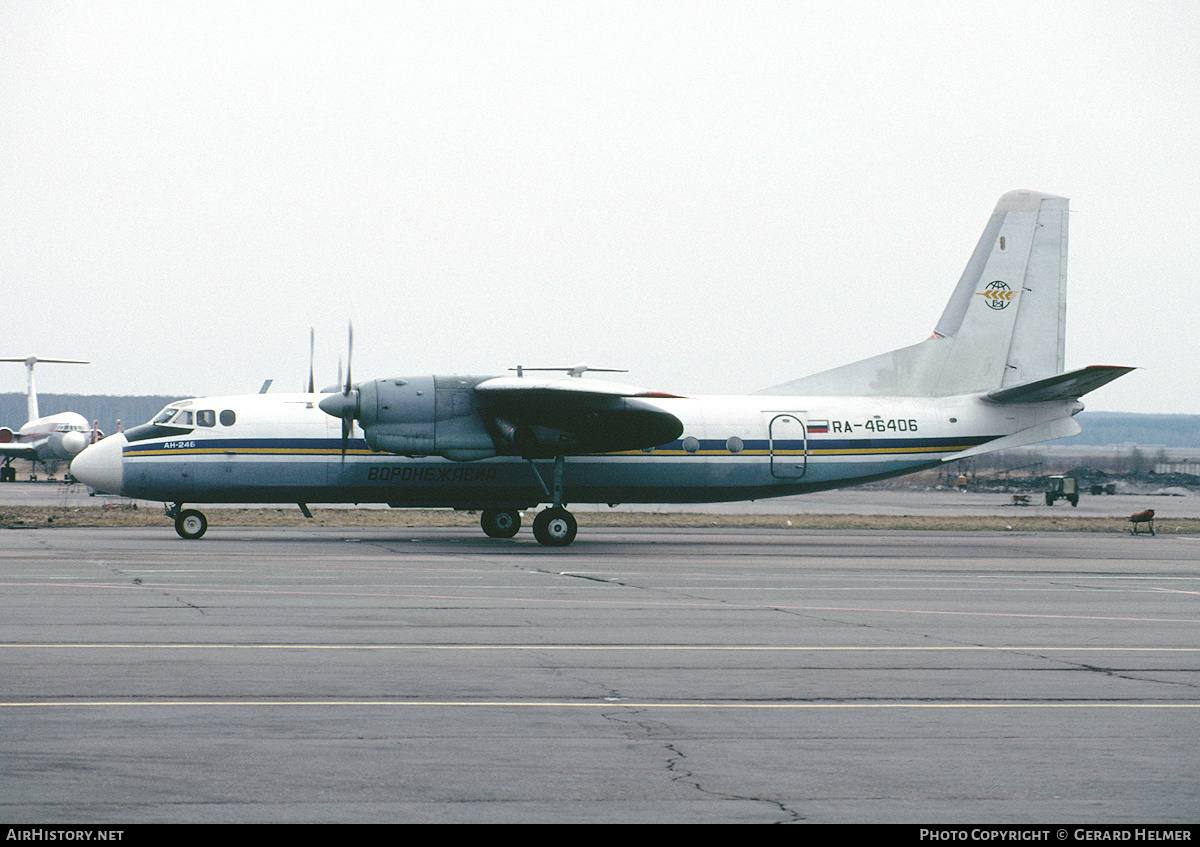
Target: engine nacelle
x=601, y=425
x=7, y=436
x=424, y=416
x=446, y=416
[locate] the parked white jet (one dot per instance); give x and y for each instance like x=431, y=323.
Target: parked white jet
x=989, y=378
x=45, y=441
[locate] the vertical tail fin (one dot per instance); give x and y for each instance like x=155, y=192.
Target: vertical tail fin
x=1004, y=324
x=31, y=401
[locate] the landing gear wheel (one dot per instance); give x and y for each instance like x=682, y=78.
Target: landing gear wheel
x=500, y=523
x=191, y=524
x=555, y=527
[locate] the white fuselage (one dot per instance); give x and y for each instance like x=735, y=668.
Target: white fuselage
x=58, y=437
x=282, y=448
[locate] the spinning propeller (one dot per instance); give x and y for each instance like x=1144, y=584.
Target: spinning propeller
x=344, y=405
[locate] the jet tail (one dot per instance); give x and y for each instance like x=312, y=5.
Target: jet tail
x=1004, y=325
x=31, y=401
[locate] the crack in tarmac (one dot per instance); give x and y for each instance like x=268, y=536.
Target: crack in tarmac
x=679, y=774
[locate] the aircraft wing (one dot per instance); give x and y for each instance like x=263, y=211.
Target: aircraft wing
x=19, y=450
x=563, y=386
x=547, y=417
x=1067, y=386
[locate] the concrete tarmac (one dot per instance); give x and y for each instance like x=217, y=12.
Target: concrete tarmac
x=435, y=675
x=854, y=501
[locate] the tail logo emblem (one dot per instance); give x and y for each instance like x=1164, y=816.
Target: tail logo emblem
x=997, y=294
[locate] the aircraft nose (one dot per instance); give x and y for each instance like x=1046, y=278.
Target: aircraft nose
x=99, y=465
x=73, y=443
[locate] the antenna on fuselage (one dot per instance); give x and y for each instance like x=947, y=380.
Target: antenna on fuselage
x=571, y=370
x=31, y=392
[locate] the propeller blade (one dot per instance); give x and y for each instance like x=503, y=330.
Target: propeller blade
x=345, y=404
x=343, y=400
x=312, y=346
x=348, y=411
x=349, y=359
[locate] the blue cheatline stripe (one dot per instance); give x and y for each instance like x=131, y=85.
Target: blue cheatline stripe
x=245, y=446
x=707, y=447
x=825, y=446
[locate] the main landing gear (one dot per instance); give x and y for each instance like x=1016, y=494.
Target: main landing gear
x=553, y=527
x=500, y=523
x=189, y=523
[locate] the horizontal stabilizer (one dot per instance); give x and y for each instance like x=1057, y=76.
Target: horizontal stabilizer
x=1068, y=386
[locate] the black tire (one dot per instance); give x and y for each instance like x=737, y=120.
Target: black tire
x=500, y=523
x=554, y=527
x=191, y=524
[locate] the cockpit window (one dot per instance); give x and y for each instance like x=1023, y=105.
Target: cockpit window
x=206, y=417
x=171, y=422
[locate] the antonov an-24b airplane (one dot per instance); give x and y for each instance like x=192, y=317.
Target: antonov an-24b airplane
x=990, y=378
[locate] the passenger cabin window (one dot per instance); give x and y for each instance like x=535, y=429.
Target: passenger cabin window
x=206, y=417
x=228, y=418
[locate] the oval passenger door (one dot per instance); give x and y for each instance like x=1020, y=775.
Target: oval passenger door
x=787, y=443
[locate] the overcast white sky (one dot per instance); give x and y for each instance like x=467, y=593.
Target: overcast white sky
x=717, y=196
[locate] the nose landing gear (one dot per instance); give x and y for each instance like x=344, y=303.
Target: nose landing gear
x=189, y=523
